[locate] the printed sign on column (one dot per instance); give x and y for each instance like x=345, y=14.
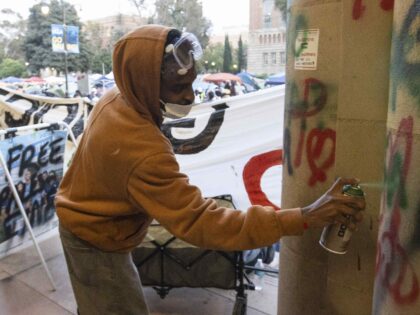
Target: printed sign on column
x=35, y=162
x=306, y=49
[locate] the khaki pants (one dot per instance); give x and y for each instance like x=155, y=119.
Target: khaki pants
x=103, y=283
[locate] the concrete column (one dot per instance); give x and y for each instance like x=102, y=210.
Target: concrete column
x=397, y=278
x=335, y=125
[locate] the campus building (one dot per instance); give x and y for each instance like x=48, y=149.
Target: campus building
x=267, y=38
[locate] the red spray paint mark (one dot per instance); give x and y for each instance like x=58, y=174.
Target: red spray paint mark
x=393, y=266
x=397, y=271
x=387, y=5
x=315, y=144
x=358, y=9
x=253, y=172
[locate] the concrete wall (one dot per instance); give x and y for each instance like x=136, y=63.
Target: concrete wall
x=335, y=125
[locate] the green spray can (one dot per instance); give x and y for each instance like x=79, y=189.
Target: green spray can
x=335, y=238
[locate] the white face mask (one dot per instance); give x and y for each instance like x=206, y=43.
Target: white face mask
x=175, y=111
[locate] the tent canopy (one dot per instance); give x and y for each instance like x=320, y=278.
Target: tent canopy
x=276, y=79
x=248, y=79
x=11, y=80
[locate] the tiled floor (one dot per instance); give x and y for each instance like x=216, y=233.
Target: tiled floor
x=25, y=290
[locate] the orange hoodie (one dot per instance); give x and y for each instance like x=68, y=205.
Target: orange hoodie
x=124, y=172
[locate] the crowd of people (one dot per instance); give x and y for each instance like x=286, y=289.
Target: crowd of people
x=218, y=91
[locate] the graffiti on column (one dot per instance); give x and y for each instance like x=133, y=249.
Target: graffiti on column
x=395, y=274
x=319, y=142
x=359, y=7
x=405, y=64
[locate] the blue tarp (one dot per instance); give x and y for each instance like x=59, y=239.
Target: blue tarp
x=11, y=80
x=276, y=79
x=248, y=79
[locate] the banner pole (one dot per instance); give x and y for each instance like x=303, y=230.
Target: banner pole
x=25, y=217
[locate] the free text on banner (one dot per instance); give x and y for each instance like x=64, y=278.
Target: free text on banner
x=35, y=162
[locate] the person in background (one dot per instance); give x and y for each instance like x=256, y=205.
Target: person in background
x=124, y=174
x=77, y=93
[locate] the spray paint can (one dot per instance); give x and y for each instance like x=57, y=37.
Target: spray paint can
x=335, y=238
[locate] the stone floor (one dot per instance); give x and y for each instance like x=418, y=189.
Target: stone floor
x=25, y=289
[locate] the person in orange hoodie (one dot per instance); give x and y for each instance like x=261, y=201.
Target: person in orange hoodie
x=124, y=174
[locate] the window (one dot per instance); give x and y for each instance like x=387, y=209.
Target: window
x=261, y=39
x=274, y=58
x=282, y=57
x=265, y=58
x=268, y=6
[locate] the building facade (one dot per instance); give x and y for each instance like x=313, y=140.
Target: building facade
x=267, y=38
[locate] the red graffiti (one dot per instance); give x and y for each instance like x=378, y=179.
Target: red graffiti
x=253, y=172
x=358, y=9
x=393, y=266
x=311, y=85
x=387, y=5
x=315, y=144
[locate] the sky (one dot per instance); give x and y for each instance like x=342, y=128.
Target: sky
x=224, y=14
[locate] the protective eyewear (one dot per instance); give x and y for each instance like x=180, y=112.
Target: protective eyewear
x=185, y=51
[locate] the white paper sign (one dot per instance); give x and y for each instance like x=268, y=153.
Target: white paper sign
x=306, y=49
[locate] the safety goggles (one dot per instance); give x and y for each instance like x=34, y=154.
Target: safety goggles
x=185, y=51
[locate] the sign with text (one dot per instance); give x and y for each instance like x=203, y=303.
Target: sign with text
x=61, y=43
x=35, y=162
x=306, y=49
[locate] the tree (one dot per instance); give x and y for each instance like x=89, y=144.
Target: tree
x=38, y=48
x=212, y=54
x=185, y=15
x=10, y=67
x=282, y=6
x=12, y=30
x=241, y=55
x=102, y=61
x=227, y=56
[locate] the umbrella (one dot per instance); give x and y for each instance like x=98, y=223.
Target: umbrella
x=221, y=77
x=35, y=80
x=11, y=80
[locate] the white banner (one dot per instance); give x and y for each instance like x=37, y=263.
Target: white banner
x=17, y=109
x=234, y=146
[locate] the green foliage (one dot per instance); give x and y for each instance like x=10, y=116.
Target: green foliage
x=10, y=67
x=241, y=55
x=281, y=5
x=104, y=58
x=213, y=54
x=227, y=56
x=12, y=30
x=185, y=15
x=38, y=48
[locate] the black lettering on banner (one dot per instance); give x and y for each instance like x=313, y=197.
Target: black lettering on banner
x=12, y=156
x=55, y=155
x=39, y=171
x=38, y=110
x=25, y=119
x=203, y=140
x=26, y=161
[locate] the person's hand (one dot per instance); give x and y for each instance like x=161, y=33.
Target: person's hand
x=335, y=207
